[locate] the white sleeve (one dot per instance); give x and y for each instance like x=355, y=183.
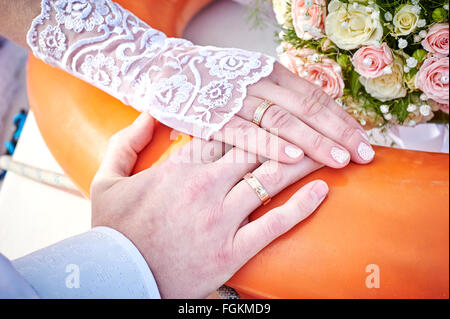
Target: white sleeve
x=101, y=263
x=193, y=89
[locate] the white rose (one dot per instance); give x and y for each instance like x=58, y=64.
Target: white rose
x=351, y=27
x=280, y=7
x=405, y=20
x=386, y=87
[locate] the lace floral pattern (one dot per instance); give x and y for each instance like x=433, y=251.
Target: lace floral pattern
x=171, y=92
x=80, y=15
x=190, y=88
x=53, y=42
x=216, y=94
x=230, y=65
x=101, y=71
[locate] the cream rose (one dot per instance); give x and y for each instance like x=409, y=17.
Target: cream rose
x=280, y=7
x=405, y=20
x=351, y=26
x=386, y=87
x=308, y=17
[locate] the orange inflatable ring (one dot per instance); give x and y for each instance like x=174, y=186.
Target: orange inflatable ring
x=389, y=219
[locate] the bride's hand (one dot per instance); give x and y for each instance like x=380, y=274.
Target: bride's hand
x=303, y=116
x=188, y=217
x=200, y=90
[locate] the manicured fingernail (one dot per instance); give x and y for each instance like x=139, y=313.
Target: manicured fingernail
x=366, y=152
x=293, y=152
x=364, y=135
x=339, y=155
x=320, y=189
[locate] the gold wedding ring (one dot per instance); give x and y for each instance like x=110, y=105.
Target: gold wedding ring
x=259, y=113
x=257, y=187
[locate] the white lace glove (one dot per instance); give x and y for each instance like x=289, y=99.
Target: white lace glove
x=190, y=88
x=203, y=91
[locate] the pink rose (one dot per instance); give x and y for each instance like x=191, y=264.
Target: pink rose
x=293, y=58
x=308, y=17
x=436, y=40
x=432, y=79
x=321, y=71
x=370, y=61
x=327, y=74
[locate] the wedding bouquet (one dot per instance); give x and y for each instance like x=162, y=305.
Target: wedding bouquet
x=384, y=61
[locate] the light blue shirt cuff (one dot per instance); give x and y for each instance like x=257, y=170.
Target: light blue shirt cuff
x=12, y=285
x=101, y=263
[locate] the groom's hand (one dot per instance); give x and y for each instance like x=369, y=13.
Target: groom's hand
x=188, y=217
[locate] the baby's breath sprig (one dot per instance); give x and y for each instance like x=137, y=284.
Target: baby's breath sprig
x=257, y=13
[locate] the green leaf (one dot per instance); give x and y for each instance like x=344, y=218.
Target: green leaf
x=420, y=55
x=439, y=15
x=399, y=108
x=343, y=60
x=355, y=83
x=410, y=74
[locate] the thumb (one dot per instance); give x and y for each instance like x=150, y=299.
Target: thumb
x=124, y=147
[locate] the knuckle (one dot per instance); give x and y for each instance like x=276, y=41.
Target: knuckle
x=223, y=256
x=194, y=188
x=346, y=133
x=279, y=118
x=212, y=218
x=275, y=225
x=312, y=107
x=269, y=146
x=199, y=183
x=306, y=205
x=203, y=182
x=317, y=141
x=320, y=96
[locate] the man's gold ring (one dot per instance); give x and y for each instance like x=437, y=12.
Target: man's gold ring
x=257, y=187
